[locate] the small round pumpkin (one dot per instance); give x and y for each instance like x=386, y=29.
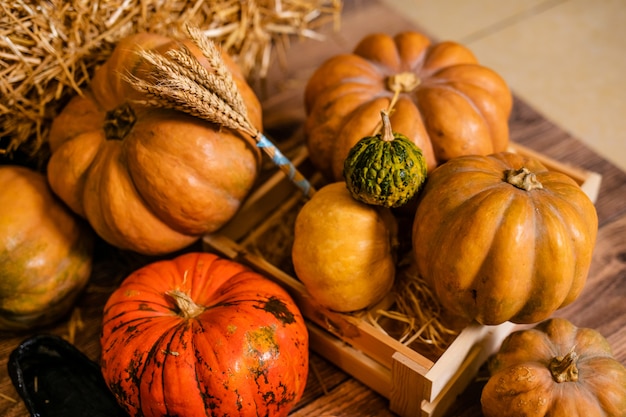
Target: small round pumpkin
x=386, y=169
x=501, y=238
x=147, y=179
x=201, y=335
x=344, y=251
x=438, y=96
x=555, y=369
x=45, y=252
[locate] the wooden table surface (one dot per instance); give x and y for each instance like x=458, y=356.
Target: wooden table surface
x=331, y=392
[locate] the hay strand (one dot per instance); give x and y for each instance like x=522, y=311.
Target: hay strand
x=416, y=317
x=49, y=50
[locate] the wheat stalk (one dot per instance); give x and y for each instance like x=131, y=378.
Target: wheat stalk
x=180, y=82
x=223, y=78
x=182, y=94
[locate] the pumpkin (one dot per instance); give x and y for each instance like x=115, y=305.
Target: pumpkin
x=501, y=238
x=45, y=252
x=201, y=335
x=555, y=369
x=437, y=95
x=147, y=179
x=344, y=251
x=386, y=169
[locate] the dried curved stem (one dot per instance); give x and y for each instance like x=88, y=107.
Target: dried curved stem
x=187, y=308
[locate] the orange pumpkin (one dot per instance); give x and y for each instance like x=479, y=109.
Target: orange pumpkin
x=148, y=179
x=45, y=252
x=555, y=369
x=500, y=237
x=201, y=335
x=447, y=103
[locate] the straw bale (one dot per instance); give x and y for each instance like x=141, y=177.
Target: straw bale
x=49, y=49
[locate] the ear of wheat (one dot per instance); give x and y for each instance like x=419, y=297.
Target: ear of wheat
x=178, y=81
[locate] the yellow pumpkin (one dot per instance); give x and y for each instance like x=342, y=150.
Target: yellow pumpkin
x=344, y=250
x=443, y=100
x=147, y=179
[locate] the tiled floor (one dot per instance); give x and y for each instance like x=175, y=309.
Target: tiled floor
x=567, y=58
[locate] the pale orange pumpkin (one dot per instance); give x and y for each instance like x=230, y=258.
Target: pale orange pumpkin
x=147, y=179
x=447, y=103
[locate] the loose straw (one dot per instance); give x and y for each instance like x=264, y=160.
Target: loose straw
x=181, y=83
x=418, y=311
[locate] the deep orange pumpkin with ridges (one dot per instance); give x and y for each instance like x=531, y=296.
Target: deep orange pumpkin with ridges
x=447, y=103
x=201, y=335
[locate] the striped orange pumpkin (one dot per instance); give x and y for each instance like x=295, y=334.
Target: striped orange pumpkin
x=201, y=335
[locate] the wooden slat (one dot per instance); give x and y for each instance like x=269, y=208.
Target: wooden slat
x=350, y=360
x=407, y=387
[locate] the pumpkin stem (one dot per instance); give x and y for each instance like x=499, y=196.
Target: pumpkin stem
x=523, y=179
x=118, y=122
x=187, y=308
x=404, y=82
x=563, y=368
x=387, y=133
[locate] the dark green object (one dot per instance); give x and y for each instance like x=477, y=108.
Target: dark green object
x=386, y=169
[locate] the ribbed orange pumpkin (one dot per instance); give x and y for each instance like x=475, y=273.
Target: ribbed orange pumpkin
x=147, y=179
x=200, y=335
x=447, y=103
x=500, y=237
x=558, y=370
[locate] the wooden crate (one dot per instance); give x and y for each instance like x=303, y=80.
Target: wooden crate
x=415, y=384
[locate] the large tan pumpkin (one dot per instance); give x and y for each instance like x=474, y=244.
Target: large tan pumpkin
x=147, y=179
x=500, y=237
x=45, y=252
x=447, y=103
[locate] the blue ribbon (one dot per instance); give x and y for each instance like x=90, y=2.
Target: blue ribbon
x=284, y=164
